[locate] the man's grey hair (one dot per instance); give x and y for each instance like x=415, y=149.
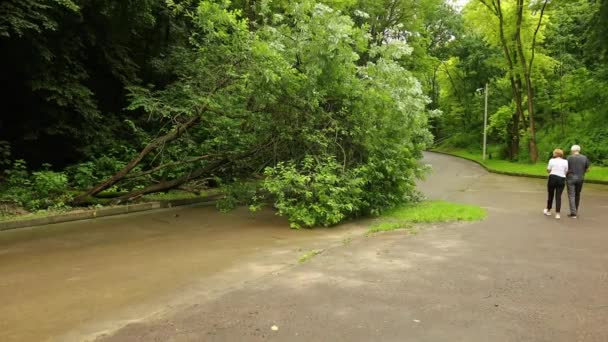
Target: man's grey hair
x=575, y=148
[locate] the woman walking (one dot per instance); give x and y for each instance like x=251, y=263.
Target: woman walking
x=557, y=169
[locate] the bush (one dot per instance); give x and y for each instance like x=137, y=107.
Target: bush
x=315, y=192
x=49, y=183
x=321, y=192
x=240, y=193
x=593, y=140
x=463, y=140
x=38, y=190
x=88, y=174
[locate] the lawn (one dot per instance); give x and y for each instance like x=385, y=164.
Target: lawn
x=596, y=173
x=407, y=216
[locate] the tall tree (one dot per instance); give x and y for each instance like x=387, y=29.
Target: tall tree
x=527, y=69
x=495, y=7
x=519, y=55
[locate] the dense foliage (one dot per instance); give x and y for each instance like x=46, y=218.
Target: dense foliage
x=322, y=108
x=312, y=98
x=569, y=79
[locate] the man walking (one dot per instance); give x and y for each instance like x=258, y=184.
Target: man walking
x=578, y=165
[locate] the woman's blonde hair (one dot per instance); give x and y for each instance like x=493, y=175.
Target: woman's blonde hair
x=558, y=153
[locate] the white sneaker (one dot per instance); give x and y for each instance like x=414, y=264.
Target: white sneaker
x=557, y=216
x=547, y=212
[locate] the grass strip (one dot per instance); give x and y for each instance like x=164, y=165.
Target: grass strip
x=597, y=174
x=407, y=216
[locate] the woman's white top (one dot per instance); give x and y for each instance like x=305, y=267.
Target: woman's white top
x=558, y=167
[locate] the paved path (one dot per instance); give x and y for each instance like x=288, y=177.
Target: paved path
x=70, y=281
x=190, y=274
x=518, y=276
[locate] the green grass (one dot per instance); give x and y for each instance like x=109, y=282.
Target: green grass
x=426, y=212
x=596, y=173
x=31, y=216
x=309, y=255
x=387, y=226
x=178, y=195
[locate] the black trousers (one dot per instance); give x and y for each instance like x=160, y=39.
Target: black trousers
x=555, y=187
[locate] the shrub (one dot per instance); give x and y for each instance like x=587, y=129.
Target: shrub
x=463, y=140
x=389, y=176
x=38, y=190
x=49, y=183
x=314, y=192
x=240, y=193
x=92, y=172
x=593, y=140
x=321, y=192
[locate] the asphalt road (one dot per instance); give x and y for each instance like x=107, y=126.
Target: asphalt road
x=193, y=274
x=517, y=276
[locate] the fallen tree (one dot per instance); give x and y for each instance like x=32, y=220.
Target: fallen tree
x=327, y=140
x=156, y=143
x=200, y=172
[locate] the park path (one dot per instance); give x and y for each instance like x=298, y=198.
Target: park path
x=190, y=274
x=74, y=281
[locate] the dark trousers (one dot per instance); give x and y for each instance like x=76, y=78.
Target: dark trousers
x=575, y=186
x=555, y=187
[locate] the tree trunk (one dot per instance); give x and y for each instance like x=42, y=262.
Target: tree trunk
x=516, y=118
x=514, y=137
x=514, y=148
x=533, y=147
x=530, y=96
x=160, y=141
x=527, y=69
x=202, y=171
x=168, y=185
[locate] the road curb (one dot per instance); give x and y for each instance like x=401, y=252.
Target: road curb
x=507, y=173
x=88, y=214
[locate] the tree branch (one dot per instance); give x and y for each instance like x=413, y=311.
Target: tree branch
x=492, y=9
x=205, y=170
x=153, y=145
x=160, y=167
x=540, y=19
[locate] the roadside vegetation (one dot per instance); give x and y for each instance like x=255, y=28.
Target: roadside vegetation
x=318, y=108
x=408, y=216
x=546, y=66
x=310, y=101
x=596, y=173
x=12, y=212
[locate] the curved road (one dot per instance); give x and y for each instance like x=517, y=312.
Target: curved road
x=191, y=275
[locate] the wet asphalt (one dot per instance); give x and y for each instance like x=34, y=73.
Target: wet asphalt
x=516, y=276
x=193, y=274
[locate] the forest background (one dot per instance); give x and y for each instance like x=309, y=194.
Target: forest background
x=320, y=108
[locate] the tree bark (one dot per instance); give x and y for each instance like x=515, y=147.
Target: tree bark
x=160, y=141
x=168, y=185
x=516, y=118
x=527, y=68
x=163, y=166
x=202, y=171
x=527, y=79
x=516, y=90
